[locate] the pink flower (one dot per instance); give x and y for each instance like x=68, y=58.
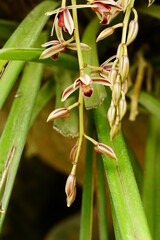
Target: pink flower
x=106, y=10
x=85, y=83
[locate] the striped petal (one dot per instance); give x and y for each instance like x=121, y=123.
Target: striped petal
x=106, y=150
x=69, y=90
x=101, y=81
x=49, y=52
x=73, y=46
x=68, y=21
x=50, y=43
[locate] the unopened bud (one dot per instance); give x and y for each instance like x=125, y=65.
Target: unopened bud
x=106, y=150
x=105, y=33
x=124, y=67
x=113, y=76
x=115, y=130
x=71, y=199
x=132, y=32
x=111, y=114
x=122, y=107
x=116, y=91
x=73, y=152
x=119, y=50
x=70, y=189
x=58, y=113
x=124, y=86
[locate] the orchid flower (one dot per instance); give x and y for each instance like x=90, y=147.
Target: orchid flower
x=106, y=9
x=54, y=47
x=64, y=17
x=85, y=84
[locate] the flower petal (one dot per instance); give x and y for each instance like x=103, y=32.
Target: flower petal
x=85, y=79
x=87, y=90
x=73, y=46
x=101, y=81
x=69, y=90
x=50, y=43
x=68, y=21
x=58, y=31
x=49, y=52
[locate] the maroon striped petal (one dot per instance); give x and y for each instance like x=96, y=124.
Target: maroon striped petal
x=69, y=90
x=50, y=52
x=68, y=21
x=101, y=81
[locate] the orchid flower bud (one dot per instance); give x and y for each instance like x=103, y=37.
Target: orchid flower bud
x=124, y=67
x=116, y=92
x=133, y=28
x=111, y=114
x=70, y=189
x=106, y=150
x=105, y=33
x=58, y=113
x=124, y=86
x=115, y=129
x=112, y=75
x=122, y=107
x=73, y=152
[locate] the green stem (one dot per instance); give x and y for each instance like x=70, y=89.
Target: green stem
x=81, y=67
x=126, y=21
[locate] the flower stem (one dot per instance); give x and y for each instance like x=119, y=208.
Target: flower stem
x=81, y=67
x=126, y=21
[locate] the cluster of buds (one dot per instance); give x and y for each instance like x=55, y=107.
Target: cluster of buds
x=117, y=72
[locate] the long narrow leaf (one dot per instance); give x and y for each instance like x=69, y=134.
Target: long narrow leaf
x=122, y=184
x=87, y=197
x=24, y=36
x=102, y=200
x=151, y=189
x=32, y=54
x=16, y=129
x=44, y=96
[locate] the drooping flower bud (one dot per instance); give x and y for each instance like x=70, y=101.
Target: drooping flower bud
x=105, y=33
x=124, y=67
x=113, y=76
x=73, y=152
x=58, y=113
x=116, y=91
x=111, y=114
x=106, y=150
x=70, y=189
x=124, y=86
x=132, y=32
x=115, y=129
x=71, y=199
x=122, y=107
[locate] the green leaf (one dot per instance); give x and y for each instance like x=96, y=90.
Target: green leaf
x=44, y=96
x=152, y=11
x=87, y=197
x=17, y=126
x=32, y=54
x=90, y=57
x=151, y=191
x=66, y=126
x=122, y=184
x=102, y=201
x=25, y=36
